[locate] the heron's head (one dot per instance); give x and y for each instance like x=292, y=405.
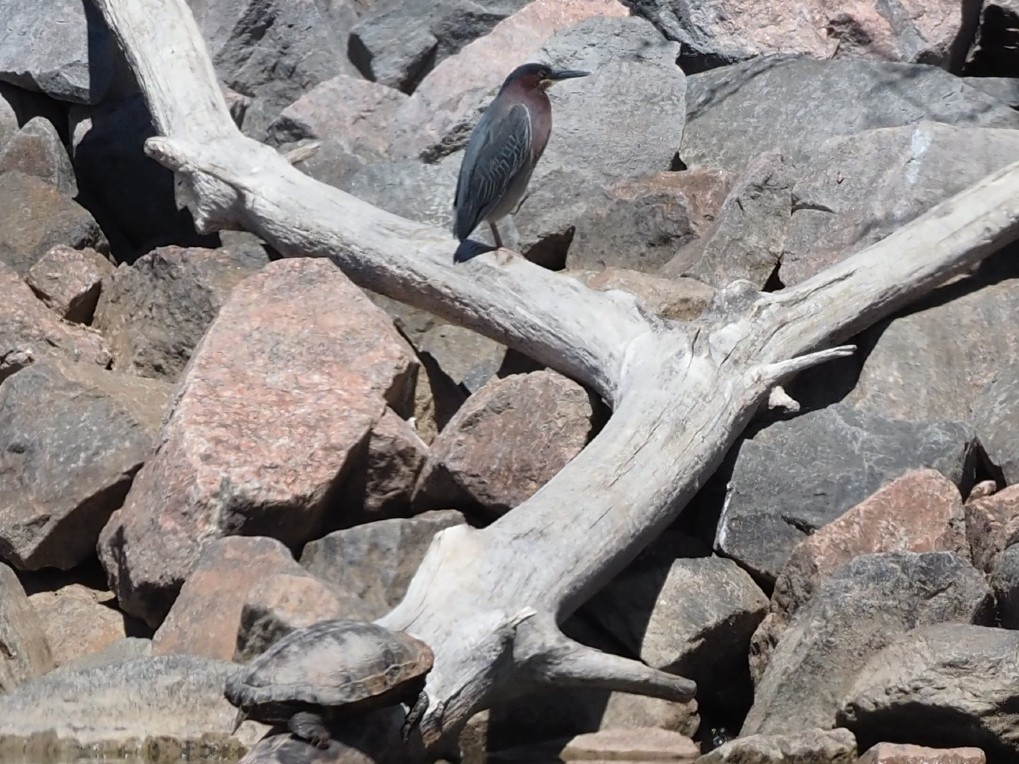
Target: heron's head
x=543, y=76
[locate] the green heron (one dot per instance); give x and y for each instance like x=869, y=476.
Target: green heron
x=502, y=152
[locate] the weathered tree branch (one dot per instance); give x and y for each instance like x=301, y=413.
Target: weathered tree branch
x=489, y=601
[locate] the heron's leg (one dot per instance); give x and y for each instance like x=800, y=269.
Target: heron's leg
x=310, y=727
x=495, y=235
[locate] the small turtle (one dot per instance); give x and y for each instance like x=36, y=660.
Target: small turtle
x=328, y=670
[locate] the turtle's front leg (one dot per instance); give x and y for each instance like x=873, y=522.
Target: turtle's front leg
x=310, y=727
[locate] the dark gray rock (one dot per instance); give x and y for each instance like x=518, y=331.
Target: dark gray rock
x=399, y=42
x=748, y=237
x=125, y=708
x=944, y=686
x=273, y=51
x=36, y=149
x=864, y=606
x=376, y=561
x=108, y=152
x=786, y=103
x=155, y=311
x=595, y=139
x=691, y=617
x=24, y=652
x=35, y=216
x=1004, y=579
x=860, y=188
x=795, y=476
x=62, y=48
x=71, y=438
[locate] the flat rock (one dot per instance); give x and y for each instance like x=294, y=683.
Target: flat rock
x=639, y=223
x=30, y=331
x=343, y=108
x=206, y=616
x=277, y=404
x=110, y=164
x=992, y=525
x=163, y=705
x=906, y=753
x=595, y=141
x=633, y=744
x=273, y=51
x=718, y=33
x=862, y=187
x=78, y=621
x=783, y=103
x=376, y=561
x=75, y=60
x=36, y=149
x=398, y=42
x=677, y=299
x=70, y=280
x=508, y=440
x=795, y=476
x=918, y=512
x=154, y=312
x=807, y=746
x=284, y=602
x=24, y=652
x=747, y=239
x=411, y=189
x=945, y=686
x=864, y=606
x=36, y=216
x=72, y=437
x=693, y=617
x=445, y=106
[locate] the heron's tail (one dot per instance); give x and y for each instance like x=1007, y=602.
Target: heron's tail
x=469, y=249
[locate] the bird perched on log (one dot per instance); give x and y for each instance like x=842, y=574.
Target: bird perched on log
x=502, y=152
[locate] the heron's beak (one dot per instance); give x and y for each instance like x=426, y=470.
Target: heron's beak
x=566, y=74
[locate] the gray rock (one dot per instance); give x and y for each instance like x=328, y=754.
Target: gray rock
x=73, y=435
x=155, y=311
x=1004, y=579
x=808, y=746
x=79, y=621
x=63, y=49
x=942, y=685
x=864, y=606
x=275, y=50
x=861, y=188
x=376, y=561
x=786, y=103
x=24, y=652
x=399, y=42
x=678, y=299
x=108, y=151
x=693, y=617
x=595, y=140
x=994, y=408
x=36, y=149
x=36, y=216
x=411, y=189
x=1005, y=89
x=155, y=703
x=748, y=236
x=795, y=476
x=468, y=358
x=122, y=650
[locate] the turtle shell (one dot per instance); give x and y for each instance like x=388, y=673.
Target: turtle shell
x=331, y=663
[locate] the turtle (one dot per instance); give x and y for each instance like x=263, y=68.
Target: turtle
x=328, y=670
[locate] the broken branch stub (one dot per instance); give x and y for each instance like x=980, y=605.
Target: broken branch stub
x=489, y=601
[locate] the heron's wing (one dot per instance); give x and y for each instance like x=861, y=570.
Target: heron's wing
x=498, y=150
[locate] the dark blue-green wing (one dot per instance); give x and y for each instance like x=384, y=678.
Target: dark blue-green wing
x=498, y=150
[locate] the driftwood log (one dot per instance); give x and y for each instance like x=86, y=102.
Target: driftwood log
x=490, y=601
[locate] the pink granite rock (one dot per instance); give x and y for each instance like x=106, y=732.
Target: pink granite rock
x=69, y=281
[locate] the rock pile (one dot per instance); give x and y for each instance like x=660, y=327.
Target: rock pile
x=204, y=446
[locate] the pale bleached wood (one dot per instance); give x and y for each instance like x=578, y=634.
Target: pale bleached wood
x=489, y=601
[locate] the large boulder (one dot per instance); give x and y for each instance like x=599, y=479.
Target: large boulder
x=714, y=33
x=278, y=402
x=796, y=476
x=77, y=435
x=866, y=605
x=785, y=102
